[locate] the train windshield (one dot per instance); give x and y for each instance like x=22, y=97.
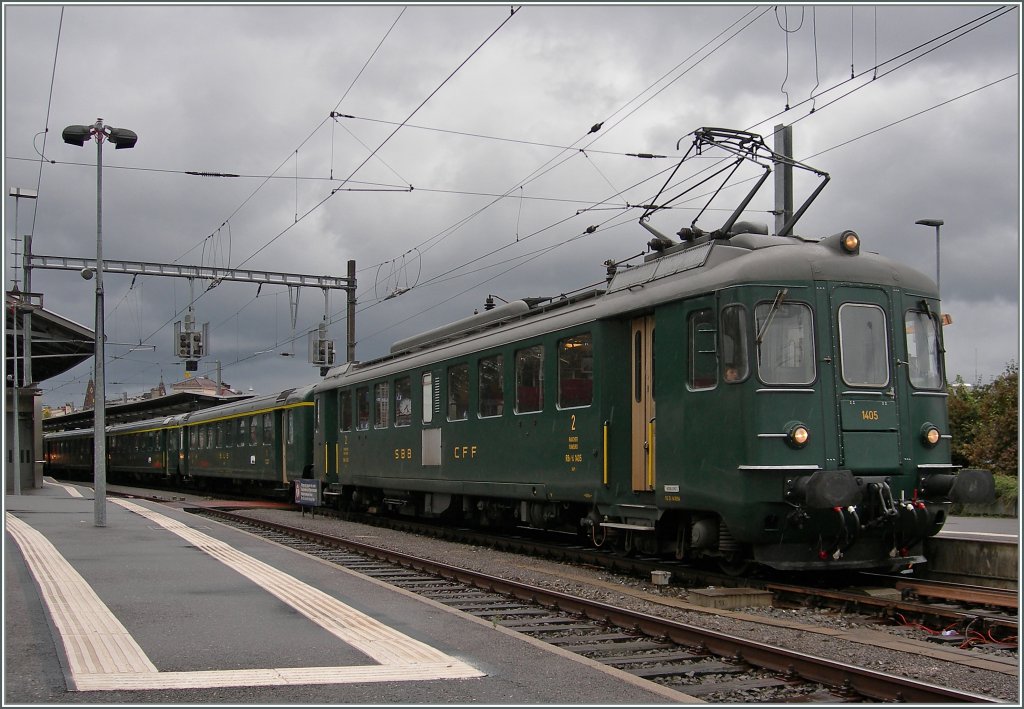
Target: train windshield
x=925, y=364
x=863, y=345
x=785, y=343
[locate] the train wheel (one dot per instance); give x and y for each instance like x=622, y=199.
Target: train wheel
x=736, y=565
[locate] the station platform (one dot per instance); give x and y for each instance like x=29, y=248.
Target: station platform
x=160, y=606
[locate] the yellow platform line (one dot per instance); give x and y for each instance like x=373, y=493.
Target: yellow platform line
x=94, y=640
x=102, y=655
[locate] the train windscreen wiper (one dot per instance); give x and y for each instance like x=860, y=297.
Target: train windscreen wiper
x=776, y=304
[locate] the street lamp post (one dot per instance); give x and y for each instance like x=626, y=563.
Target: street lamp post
x=121, y=138
x=937, y=223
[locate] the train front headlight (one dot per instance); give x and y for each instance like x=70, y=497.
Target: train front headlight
x=850, y=242
x=797, y=435
x=930, y=435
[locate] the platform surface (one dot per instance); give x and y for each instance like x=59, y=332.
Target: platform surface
x=162, y=606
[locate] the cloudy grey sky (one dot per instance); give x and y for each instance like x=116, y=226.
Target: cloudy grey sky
x=914, y=111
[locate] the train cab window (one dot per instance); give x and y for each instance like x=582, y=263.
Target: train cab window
x=268, y=428
x=575, y=371
x=345, y=404
x=254, y=431
x=530, y=379
x=458, y=392
x=403, y=401
x=427, y=387
x=732, y=328
x=923, y=352
x=701, y=345
x=785, y=343
x=491, y=374
x=362, y=409
x=381, y=402
x=243, y=431
x=863, y=345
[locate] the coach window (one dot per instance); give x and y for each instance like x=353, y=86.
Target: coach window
x=362, y=408
x=925, y=362
x=290, y=416
x=254, y=431
x=243, y=431
x=345, y=402
x=733, y=331
x=202, y=437
x=864, y=345
x=380, y=405
x=403, y=401
x=427, y=388
x=229, y=433
x=458, y=392
x=491, y=374
x=785, y=342
x=703, y=369
x=530, y=379
x=575, y=371
x=193, y=437
x=268, y=428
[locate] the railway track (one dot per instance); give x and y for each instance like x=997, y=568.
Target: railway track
x=703, y=663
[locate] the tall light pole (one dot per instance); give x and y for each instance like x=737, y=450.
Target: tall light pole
x=19, y=193
x=937, y=223
x=121, y=138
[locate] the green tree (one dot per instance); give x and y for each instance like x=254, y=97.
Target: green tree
x=994, y=441
x=963, y=404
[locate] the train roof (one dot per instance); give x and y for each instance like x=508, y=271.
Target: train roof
x=288, y=397
x=683, y=270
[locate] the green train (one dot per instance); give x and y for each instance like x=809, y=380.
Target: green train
x=739, y=397
x=257, y=444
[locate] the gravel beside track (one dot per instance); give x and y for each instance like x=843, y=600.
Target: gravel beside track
x=767, y=625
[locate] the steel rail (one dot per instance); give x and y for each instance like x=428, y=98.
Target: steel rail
x=875, y=685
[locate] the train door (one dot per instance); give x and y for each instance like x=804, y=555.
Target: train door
x=286, y=432
x=864, y=380
x=643, y=420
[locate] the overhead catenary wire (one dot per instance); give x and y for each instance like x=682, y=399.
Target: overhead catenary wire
x=834, y=147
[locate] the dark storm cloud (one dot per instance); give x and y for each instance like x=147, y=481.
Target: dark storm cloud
x=247, y=90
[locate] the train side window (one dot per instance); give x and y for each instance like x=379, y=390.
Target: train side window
x=427, y=388
x=863, y=345
x=491, y=383
x=243, y=431
x=733, y=331
x=575, y=371
x=458, y=392
x=701, y=336
x=202, y=437
x=268, y=428
x=381, y=402
x=229, y=433
x=345, y=404
x=362, y=408
x=923, y=352
x=193, y=438
x=403, y=401
x=254, y=431
x=530, y=379
x=290, y=416
x=785, y=351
